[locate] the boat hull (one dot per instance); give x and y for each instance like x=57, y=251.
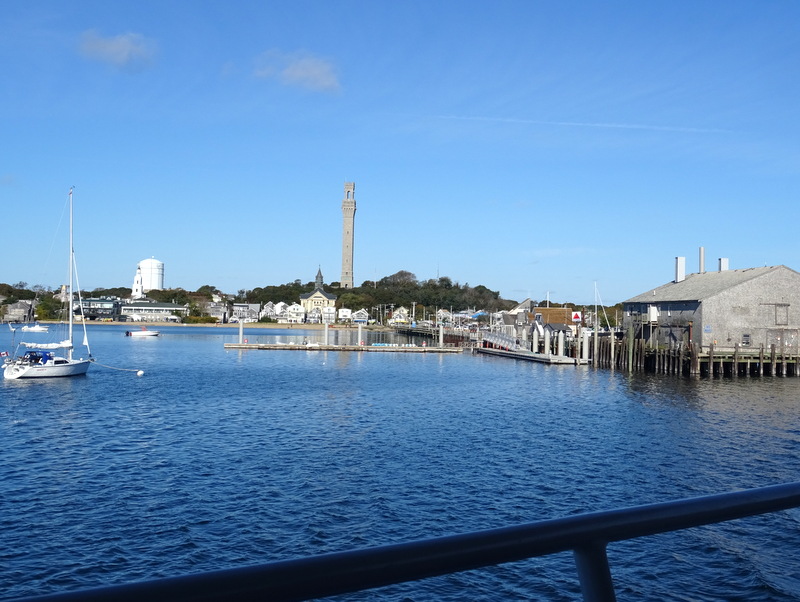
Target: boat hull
x=16, y=370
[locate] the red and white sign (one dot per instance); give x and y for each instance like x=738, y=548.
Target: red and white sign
x=577, y=316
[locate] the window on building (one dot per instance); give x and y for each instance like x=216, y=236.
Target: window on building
x=745, y=340
x=782, y=314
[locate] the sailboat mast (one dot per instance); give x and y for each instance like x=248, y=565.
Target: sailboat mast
x=71, y=268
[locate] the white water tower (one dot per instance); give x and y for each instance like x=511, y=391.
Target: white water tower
x=152, y=274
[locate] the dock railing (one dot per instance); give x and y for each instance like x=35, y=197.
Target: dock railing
x=586, y=535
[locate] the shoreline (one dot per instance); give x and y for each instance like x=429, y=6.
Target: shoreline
x=263, y=325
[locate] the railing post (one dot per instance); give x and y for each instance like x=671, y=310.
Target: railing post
x=592, y=563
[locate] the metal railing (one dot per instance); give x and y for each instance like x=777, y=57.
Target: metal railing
x=587, y=535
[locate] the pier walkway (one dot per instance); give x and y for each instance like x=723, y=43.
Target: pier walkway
x=523, y=354
x=619, y=351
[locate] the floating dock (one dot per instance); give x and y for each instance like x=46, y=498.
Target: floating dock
x=521, y=354
x=368, y=348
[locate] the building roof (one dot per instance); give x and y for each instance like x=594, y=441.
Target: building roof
x=526, y=305
x=320, y=292
x=151, y=305
x=558, y=327
x=700, y=286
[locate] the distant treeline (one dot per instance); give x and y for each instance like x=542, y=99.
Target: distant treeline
x=399, y=289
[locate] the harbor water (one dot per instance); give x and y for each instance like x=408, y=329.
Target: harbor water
x=217, y=458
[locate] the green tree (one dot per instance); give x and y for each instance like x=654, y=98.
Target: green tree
x=208, y=291
x=48, y=308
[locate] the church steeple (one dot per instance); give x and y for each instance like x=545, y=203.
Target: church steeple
x=318, y=282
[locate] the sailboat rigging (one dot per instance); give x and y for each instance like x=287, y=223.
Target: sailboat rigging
x=41, y=361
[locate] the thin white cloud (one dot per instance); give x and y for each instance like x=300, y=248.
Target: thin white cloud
x=128, y=52
x=299, y=69
x=619, y=126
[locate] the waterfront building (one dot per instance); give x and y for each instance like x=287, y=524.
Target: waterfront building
x=150, y=311
x=295, y=314
x=399, y=316
x=246, y=312
x=361, y=316
x=102, y=308
x=216, y=309
x=318, y=298
x=747, y=307
x=348, y=219
x=20, y=311
x=328, y=314
x=555, y=329
x=268, y=311
x=345, y=314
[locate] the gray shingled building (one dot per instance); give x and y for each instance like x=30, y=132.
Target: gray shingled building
x=751, y=307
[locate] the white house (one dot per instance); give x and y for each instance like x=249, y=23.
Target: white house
x=245, y=312
x=345, y=314
x=268, y=311
x=138, y=311
x=295, y=314
x=361, y=316
x=216, y=309
x=399, y=316
x=328, y=315
x=443, y=316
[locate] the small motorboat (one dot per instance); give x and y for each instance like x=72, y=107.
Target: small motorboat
x=141, y=333
x=34, y=328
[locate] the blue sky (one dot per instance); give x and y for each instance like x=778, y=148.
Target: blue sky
x=525, y=146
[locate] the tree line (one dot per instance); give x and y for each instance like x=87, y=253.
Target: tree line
x=399, y=289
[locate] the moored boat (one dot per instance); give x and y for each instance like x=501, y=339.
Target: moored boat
x=41, y=361
x=142, y=333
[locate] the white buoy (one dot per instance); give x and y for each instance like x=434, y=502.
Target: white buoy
x=140, y=373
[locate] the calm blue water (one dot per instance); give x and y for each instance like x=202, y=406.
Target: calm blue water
x=217, y=459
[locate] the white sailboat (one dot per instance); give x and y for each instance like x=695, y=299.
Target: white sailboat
x=41, y=361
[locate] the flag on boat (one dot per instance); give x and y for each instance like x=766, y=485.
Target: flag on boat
x=3, y=353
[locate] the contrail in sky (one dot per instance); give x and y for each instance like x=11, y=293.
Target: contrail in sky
x=618, y=126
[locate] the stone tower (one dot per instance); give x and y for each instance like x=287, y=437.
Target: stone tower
x=348, y=218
